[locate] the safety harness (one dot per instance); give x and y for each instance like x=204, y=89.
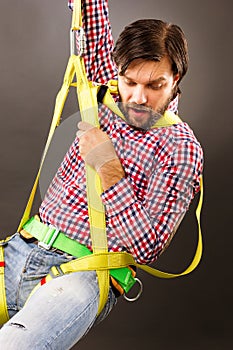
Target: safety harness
x=108, y=265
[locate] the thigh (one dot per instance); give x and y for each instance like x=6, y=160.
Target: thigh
x=25, y=265
x=56, y=316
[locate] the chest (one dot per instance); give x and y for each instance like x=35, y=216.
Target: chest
x=140, y=154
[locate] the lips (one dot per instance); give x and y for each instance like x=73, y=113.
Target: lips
x=138, y=113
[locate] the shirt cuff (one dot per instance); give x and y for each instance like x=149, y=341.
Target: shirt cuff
x=118, y=197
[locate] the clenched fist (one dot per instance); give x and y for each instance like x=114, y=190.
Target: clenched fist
x=97, y=150
x=95, y=146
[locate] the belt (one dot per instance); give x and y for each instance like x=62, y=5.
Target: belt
x=50, y=237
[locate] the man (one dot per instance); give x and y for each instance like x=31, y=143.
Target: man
x=149, y=176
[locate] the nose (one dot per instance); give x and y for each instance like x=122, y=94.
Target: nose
x=138, y=95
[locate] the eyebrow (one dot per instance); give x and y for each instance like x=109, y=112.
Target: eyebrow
x=160, y=79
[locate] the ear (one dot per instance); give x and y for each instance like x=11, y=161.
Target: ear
x=175, y=79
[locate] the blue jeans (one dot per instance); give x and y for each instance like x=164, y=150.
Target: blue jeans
x=59, y=313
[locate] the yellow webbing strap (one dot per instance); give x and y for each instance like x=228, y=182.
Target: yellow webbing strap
x=89, y=112
x=4, y=317
x=77, y=15
x=60, y=101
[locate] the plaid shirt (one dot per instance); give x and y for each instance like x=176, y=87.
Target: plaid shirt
x=162, y=167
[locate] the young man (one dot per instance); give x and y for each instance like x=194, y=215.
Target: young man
x=149, y=176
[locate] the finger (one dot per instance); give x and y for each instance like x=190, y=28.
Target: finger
x=80, y=133
x=84, y=126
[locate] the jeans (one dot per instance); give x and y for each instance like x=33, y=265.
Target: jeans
x=59, y=313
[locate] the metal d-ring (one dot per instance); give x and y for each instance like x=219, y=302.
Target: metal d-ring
x=139, y=293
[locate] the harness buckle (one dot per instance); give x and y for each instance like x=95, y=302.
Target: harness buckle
x=49, y=238
x=139, y=292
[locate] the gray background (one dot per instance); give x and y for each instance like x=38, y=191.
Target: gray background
x=193, y=312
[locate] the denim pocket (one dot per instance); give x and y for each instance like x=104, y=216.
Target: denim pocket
x=37, y=266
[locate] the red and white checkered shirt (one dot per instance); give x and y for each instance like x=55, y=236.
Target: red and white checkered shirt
x=162, y=167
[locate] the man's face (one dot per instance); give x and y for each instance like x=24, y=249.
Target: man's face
x=146, y=88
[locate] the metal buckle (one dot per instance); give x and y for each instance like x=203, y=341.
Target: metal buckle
x=49, y=238
x=81, y=41
x=139, y=292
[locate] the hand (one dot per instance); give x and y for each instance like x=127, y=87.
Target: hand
x=95, y=146
x=97, y=150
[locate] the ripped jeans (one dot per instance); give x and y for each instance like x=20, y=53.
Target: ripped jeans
x=59, y=313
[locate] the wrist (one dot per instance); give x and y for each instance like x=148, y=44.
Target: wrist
x=110, y=173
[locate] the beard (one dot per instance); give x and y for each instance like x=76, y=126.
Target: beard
x=142, y=117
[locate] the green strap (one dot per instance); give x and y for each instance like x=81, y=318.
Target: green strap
x=50, y=237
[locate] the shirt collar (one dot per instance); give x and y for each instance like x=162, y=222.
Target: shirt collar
x=173, y=105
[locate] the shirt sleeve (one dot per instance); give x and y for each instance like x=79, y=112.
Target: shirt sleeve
x=146, y=226
x=99, y=65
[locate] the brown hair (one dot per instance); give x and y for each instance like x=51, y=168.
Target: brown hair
x=152, y=39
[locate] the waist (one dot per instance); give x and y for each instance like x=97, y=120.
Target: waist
x=49, y=237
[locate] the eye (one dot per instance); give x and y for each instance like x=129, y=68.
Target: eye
x=156, y=86
x=130, y=82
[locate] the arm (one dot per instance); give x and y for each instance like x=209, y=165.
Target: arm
x=99, y=65
x=146, y=225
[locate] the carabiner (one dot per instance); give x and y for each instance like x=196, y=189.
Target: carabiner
x=77, y=43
